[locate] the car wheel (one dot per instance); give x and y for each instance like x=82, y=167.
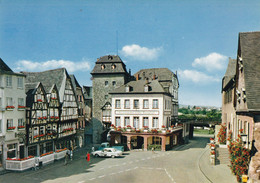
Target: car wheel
x=112, y=156
x=96, y=155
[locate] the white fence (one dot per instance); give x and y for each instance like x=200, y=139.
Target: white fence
x=20, y=165
x=47, y=159
x=30, y=163
x=60, y=155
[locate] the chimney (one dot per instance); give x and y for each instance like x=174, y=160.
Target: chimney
x=130, y=72
x=137, y=77
x=154, y=77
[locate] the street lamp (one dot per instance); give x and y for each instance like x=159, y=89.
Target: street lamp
x=243, y=137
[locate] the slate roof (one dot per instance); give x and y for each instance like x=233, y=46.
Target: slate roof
x=137, y=87
x=4, y=69
x=108, y=61
x=47, y=78
x=249, y=46
x=162, y=74
x=230, y=72
x=74, y=81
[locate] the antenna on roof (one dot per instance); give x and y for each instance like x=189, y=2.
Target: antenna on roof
x=117, y=43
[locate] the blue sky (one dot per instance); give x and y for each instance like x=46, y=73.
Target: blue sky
x=194, y=38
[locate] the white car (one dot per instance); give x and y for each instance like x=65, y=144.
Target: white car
x=107, y=152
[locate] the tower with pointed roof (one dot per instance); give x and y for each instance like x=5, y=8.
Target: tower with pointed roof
x=109, y=73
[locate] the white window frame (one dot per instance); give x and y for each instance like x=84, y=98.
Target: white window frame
x=118, y=121
x=155, y=104
x=20, y=82
x=8, y=82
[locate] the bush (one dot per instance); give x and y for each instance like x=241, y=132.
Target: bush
x=222, y=134
x=239, y=157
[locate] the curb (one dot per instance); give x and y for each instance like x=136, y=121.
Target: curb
x=205, y=150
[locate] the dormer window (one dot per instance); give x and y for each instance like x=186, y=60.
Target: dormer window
x=127, y=88
x=110, y=57
x=240, y=63
x=244, y=94
x=103, y=67
x=238, y=95
x=146, y=88
x=113, y=66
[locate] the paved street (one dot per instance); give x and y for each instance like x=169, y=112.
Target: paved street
x=179, y=165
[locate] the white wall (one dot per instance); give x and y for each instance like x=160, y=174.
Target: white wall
x=161, y=112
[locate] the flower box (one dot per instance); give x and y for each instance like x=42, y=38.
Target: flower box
x=21, y=127
x=11, y=128
x=164, y=131
x=128, y=129
x=47, y=158
x=10, y=108
x=145, y=130
x=60, y=153
x=20, y=164
x=39, y=100
x=67, y=130
x=21, y=107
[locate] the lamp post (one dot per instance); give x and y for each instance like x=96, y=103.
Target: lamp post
x=243, y=138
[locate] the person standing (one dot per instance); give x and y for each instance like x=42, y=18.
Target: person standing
x=66, y=158
x=88, y=157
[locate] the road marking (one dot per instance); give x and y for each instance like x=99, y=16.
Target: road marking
x=101, y=176
x=81, y=182
x=169, y=176
x=159, y=168
x=92, y=179
x=128, y=170
x=124, y=163
x=121, y=172
x=101, y=168
x=112, y=174
x=116, y=165
x=143, y=159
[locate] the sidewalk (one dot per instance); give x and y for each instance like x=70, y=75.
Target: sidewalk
x=215, y=173
x=77, y=154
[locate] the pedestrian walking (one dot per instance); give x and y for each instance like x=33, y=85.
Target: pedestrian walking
x=88, y=157
x=93, y=149
x=152, y=150
x=36, y=164
x=71, y=155
x=66, y=158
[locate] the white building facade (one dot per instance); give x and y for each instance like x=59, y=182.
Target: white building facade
x=141, y=116
x=12, y=114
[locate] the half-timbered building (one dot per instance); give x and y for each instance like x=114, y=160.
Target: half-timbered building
x=80, y=127
x=62, y=108
x=36, y=118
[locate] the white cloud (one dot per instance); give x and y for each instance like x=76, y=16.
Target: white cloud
x=27, y=65
x=141, y=53
x=214, y=61
x=196, y=76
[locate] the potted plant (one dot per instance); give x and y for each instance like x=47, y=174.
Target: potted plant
x=128, y=128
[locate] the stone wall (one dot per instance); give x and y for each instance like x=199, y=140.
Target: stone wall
x=100, y=92
x=254, y=166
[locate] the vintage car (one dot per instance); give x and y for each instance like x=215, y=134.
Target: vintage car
x=107, y=152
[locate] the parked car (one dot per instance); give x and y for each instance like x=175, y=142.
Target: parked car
x=107, y=152
x=106, y=145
